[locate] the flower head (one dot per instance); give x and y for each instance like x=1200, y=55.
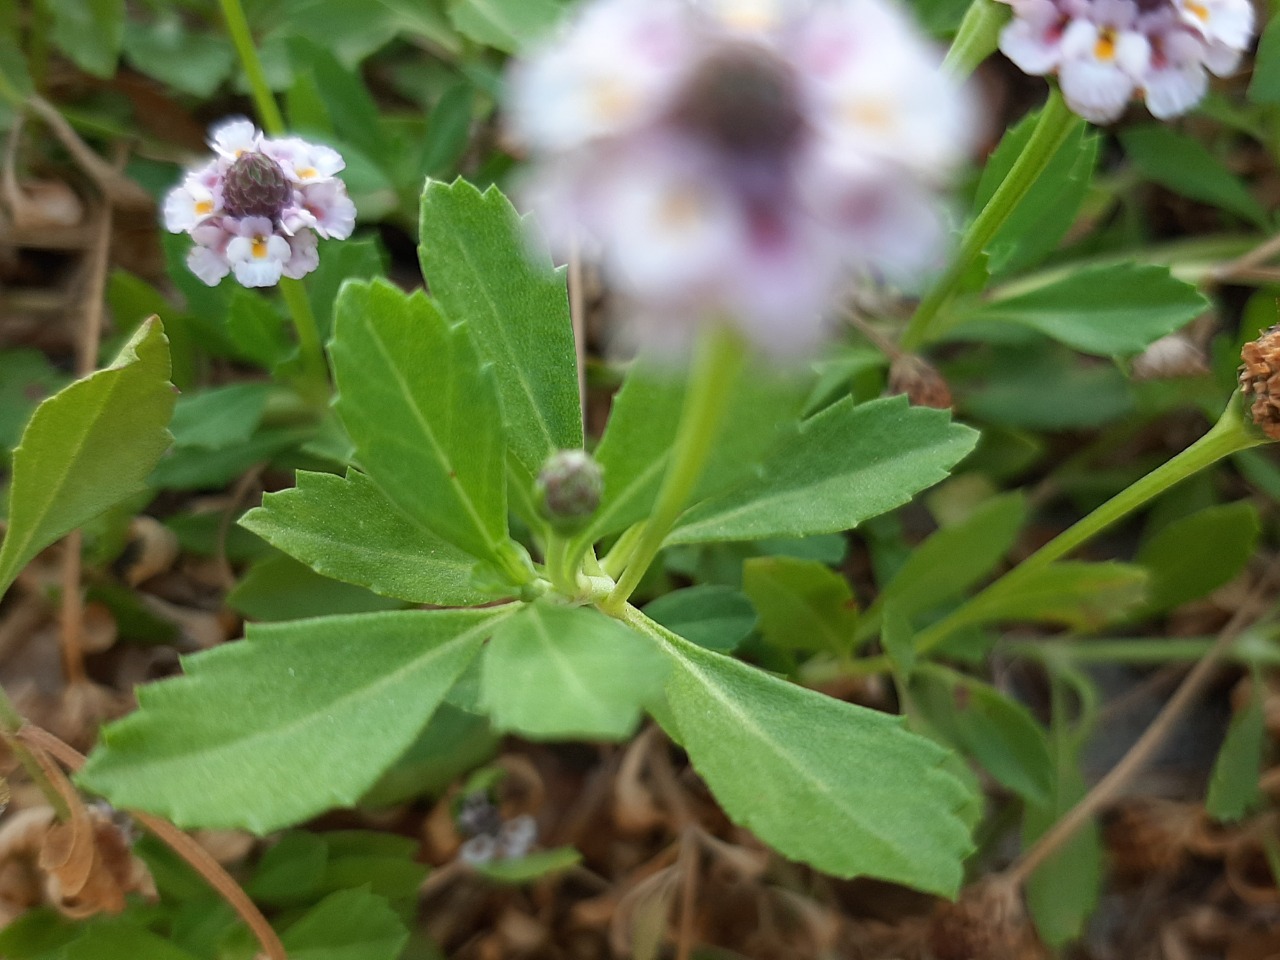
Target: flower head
x=1106, y=52
x=740, y=158
x=256, y=209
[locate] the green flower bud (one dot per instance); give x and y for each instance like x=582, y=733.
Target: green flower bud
x=255, y=186
x=569, y=488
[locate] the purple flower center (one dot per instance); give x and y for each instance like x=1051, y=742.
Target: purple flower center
x=255, y=186
x=743, y=100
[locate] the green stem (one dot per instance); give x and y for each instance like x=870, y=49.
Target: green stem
x=313, y=381
x=263, y=99
x=720, y=357
x=977, y=38
x=1055, y=124
x=615, y=561
x=562, y=577
x=1229, y=435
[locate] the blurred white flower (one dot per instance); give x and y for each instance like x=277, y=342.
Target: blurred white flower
x=741, y=158
x=1106, y=52
x=256, y=209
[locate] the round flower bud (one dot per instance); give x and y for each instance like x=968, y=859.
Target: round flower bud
x=569, y=488
x=1260, y=381
x=256, y=186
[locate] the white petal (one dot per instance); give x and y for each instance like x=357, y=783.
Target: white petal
x=1221, y=59
x=1173, y=91
x=303, y=255
x=1099, y=92
x=234, y=137
x=1032, y=49
x=258, y=273
x=207, y=264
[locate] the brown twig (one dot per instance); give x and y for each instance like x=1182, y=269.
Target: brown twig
x=1247, y=264
x=195, y=855
x=87, y=344
x=119, y=190
x=1106, y=789
x=687, y=863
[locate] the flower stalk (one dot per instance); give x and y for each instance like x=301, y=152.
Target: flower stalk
x=1229, y=435
x=1055, y=124
x=720, y=358
x=977, y=38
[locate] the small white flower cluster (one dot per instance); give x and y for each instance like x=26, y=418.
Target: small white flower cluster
x=257, y=208
x=741, y=158
x=1106, y=51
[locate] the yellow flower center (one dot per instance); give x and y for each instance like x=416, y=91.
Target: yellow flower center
x=1105, y=48
x=204, y=206
x=1199, y=10
x=259, y=248
x=308, y=173
x=876, y=114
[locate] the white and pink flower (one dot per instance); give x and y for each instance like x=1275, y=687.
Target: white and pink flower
x=741, y=158
x=256, y=209
x=1106, y=52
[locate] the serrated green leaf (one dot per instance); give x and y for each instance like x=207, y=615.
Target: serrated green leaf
x=1104, y=310
x=1076, y=594
x=219, y=416
x=642, y=426
x=532, y=867
x=954, y=558
x=87, y=448
x=842, y=466
x=348, y=925
x=553, y=672
x=291, y=870
x=346, y=529
x=803, y=605
x=199, y=468
x=422, y=413
x=89, y=32
x=1194, y=555
x=486, y=273
x=1184, y=165
x=843, y=788
x=287, y=723
x=712, y=616
x=1233, y=788
x=505, y=25
x=998, y=732
x=1044, y=215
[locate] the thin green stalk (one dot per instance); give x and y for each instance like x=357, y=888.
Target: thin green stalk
x=720, y=358
x=562, y=576
x=314, y=382
x=1055, y=124
x=263, y=99
x=1229, y=435
x=314, y=379
x=977, y=38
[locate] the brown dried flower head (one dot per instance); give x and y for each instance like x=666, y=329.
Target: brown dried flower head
x=920, y=381
x=1260, y=380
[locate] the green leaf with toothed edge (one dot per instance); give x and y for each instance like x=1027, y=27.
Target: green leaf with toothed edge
x=844, y=465
x=88, y=447
x=845, y=789
x=345, y=528
x=423, y=414
x=555, y=672
x=486, y=272
x=297, y=718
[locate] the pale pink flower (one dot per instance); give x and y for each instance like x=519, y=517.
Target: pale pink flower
x=741, y=158
x=256, y=209
x=1107, y=52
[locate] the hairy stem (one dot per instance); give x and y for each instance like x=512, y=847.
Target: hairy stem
x=977, y=38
